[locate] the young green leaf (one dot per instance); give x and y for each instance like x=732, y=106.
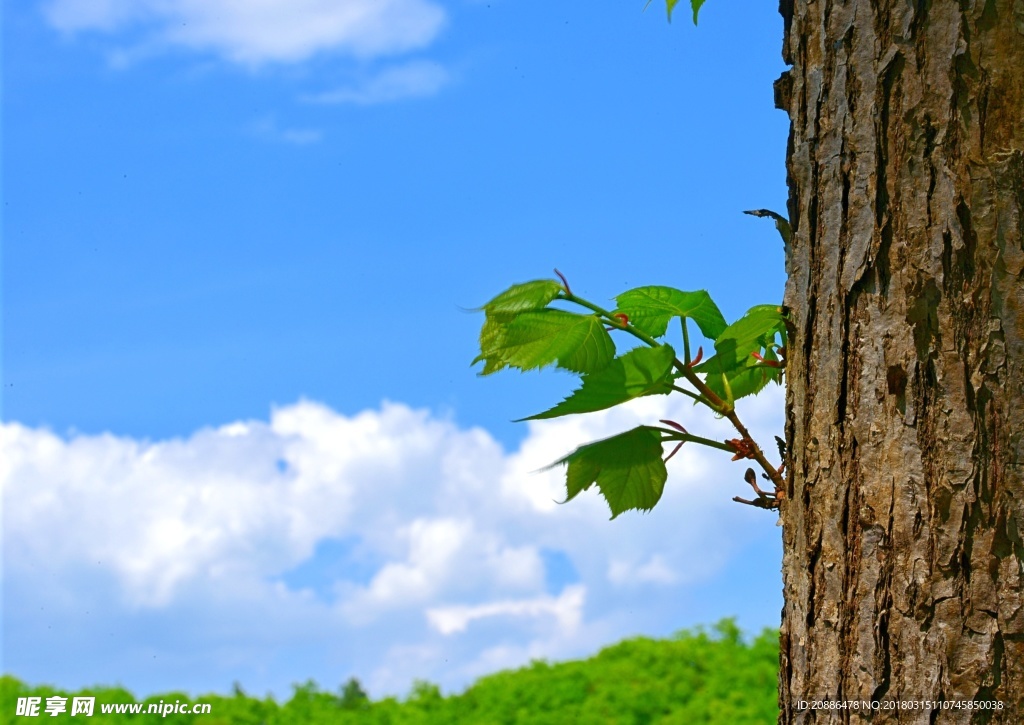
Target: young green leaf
x=627, y=468
x=743, y=381
x=531, y=340
x=752, y=332
x=650, y=309
x=759, y=320
x=524, y=297
x=643, y=371
x=733, y=363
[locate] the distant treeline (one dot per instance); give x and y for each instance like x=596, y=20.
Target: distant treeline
x=693, y=677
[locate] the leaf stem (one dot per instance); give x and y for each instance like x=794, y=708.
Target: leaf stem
x=675, y=435
x=615, y=321
x=686, y=341
x=713, y=401
x=691, y=394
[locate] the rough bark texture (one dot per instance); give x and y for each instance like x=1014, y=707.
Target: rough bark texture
x=905, y=514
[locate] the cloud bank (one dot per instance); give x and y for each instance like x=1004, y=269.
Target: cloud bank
x=391, y=545
x=255, y=32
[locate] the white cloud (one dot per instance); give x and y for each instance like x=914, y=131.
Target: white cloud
x=253, y=32
x=267, y=128
x=434, y=549
x=409, y=80
x=655, y=570
x=566, y=609
x=189, y=544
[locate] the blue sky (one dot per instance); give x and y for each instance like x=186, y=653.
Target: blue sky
x=242, y=440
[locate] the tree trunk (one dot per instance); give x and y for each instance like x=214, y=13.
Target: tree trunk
x=903, y=559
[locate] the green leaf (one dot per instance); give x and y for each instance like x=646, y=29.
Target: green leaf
x=531, y=340
x=670, y=5
x=643, y=371
x=748, y=380
x=650, y=309
x=695, y=4
x=524, y=297
x=627, y=468
x=492, y=340
x=769, y=351
x=753, y=332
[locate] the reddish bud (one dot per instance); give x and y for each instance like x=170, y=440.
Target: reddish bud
x=769, y=363
x=565, y=283
x=697, y=357
x=675, y=425
x=742, y=448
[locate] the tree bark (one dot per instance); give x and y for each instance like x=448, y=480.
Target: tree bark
x=903, y=562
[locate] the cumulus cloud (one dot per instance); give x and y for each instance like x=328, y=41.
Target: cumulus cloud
x=441, y=567
x=253, y=32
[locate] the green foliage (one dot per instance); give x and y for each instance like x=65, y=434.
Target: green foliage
x=643, y=371
x=695, y=5
x=650, y=309
x=751, y=333
x=523, y=330
x=627, y=468
x=524, y=297
x=733, y=372
x=693, y=677
x=534, y=339
x=353, y=696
